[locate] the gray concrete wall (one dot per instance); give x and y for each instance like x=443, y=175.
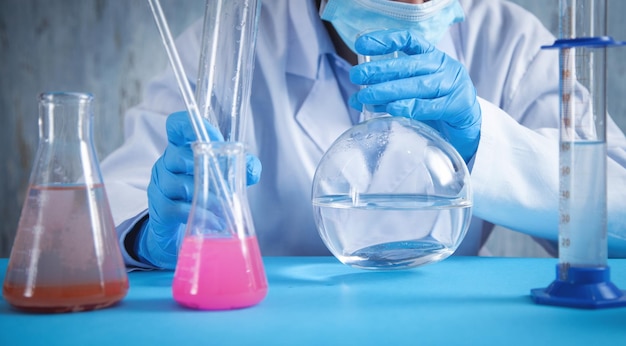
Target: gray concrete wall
x=111, y=48
x=107, y=47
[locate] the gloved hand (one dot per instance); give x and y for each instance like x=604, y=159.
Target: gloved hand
x=170, y=193
x=424, y=84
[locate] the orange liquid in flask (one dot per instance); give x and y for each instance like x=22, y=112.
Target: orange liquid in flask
x=65, y=257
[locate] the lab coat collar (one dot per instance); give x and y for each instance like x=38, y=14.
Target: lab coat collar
x=320, y=109
x=324, y=114
x=307, y=39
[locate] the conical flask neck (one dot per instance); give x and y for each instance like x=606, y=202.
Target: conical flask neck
x=220, y=205
x=65, y=117
x=66, y=153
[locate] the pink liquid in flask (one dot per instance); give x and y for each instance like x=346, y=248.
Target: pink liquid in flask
x=219, y=273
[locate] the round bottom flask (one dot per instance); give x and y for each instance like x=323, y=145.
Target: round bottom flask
x=391, y=193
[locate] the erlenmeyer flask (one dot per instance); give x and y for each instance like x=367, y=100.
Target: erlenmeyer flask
x=65, y=256
x=219, y=264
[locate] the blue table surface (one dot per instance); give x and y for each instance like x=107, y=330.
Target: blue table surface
x=317, y=300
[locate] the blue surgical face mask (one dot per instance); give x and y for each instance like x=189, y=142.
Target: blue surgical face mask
x=352, y=17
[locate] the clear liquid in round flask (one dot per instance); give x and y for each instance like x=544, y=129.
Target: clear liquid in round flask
x=391, y=193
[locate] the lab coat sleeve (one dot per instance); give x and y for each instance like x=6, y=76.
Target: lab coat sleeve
x=515, y=179
x=515, y=172
x=127, y=170
x=509, y=188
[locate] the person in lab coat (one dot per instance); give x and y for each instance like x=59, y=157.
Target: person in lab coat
x=486, y=64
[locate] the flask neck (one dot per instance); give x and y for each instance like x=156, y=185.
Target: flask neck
x=220, y=204
x=367, y=114
x=66, y=153
x=220, y=166
x=371, y=111
x=65, y=116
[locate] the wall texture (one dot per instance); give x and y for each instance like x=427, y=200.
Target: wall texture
x=107, y=47
x=111, y=48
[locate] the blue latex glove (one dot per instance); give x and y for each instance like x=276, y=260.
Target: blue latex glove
x=170, y=193
x=424, y=84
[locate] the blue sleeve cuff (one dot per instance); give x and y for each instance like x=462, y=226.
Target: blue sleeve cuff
x=124, y=233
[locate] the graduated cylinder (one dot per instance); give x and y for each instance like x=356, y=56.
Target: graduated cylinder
x=582, y=204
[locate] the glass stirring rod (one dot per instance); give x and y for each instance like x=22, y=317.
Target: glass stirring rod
x=177, y=66
x=188, y=97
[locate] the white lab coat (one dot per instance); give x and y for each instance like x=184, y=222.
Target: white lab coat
x=298, y=108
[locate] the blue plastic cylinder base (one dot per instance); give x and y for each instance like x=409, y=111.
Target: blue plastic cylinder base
x=588, y=288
